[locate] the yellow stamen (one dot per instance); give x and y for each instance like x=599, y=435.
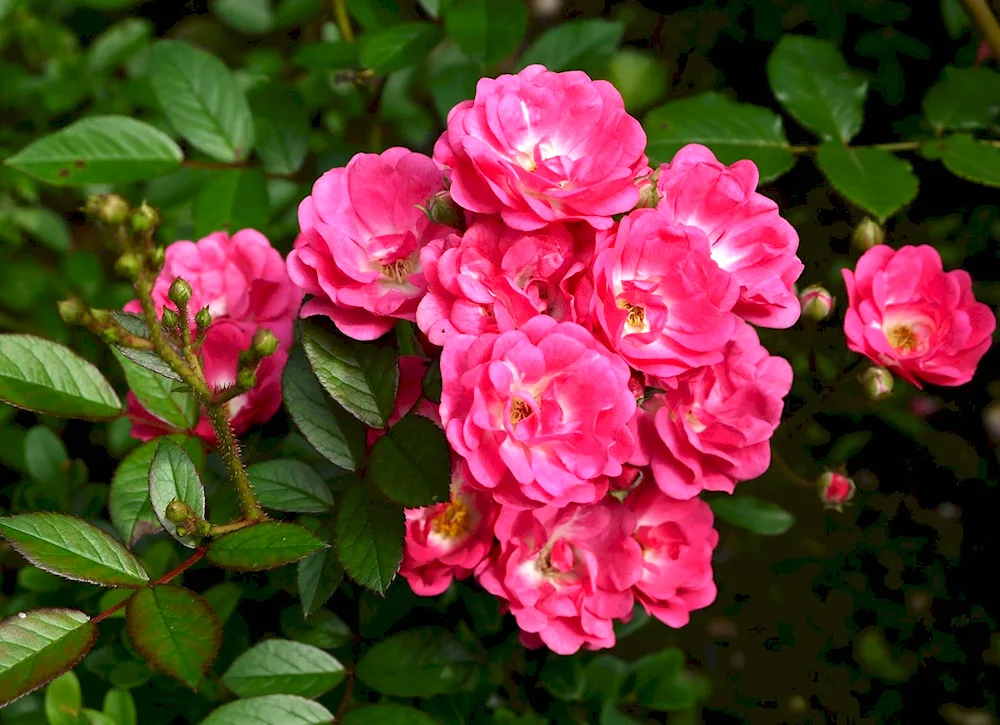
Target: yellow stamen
x=451, y=523
x=902, y=338
x=519, y=410
x=398, y=271
x=636, y=314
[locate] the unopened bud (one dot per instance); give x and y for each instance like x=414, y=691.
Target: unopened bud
x=110, y=335
x=101, y=316
x=107, y=208
x=877, y=382
x=442, y=209
x=203, y=528
x=180, y=292
x=264, y=343
x=835, y=489
x=128, y=265
x=157, y=256
x=817, y=302
x=203, y=319
x=182, y=531
x=991, y=419
x=246, y=379
x=649, y=197
x=145, y=218
x=170, y=318
x=178, y=512
x=72, y=311
x=867, y=234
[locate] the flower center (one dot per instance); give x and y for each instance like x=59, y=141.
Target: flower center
x=398, y=271
x=636, y=321
x=452, y=522
x=902, y=338
x=526, y=162
x=519, y=410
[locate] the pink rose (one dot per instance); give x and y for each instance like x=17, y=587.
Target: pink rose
x=835, y=490
x=908, y=314
x=493, y=278
x=412, y=369
x=566, y=573
x=747, y=236
x=677, y=540
x=448, y=541
x=539, y=147
x=239, y=277
x=540, y=413
x=661, y=301
x=359, y=250
x=715, y=427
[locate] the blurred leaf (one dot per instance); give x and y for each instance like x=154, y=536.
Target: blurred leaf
x=120, y=707
x=281, y=129
x=263, y=546
x=318, y=577
x=753, y=514
x=224, y=598
x=117, y=44
x=387, y=714
x=253, y=17
x=327, y=56
x=874, y=179
x=964, y=98
x=289, y=485
x=173, y=477
x=956, y=20
x=611, y=715
x=417, y=662
x=201, y=99
x=733, y=131
x=966, y=158
x=157, y=395
x=44, y=225
x=374, y=14
x=99, y=150
x=411, y=462
x=811, y=80
x=563, y=678
x=585, y=44
x=848, y=446
x=639, y=76
x=72, y=548
x=872, y=652
x=39, y=646
x=271, y=709
x=661, y=683
x=45, y=456
x=434, y=8
x=486, y=30
x=282, y=667
x=432, y=382
x=292, y=12
x=369, y=536
x=175, y=629
x=452, y=77
x=232, y=199
x=323, y=629
x=33, y=579
x=398, y=46
x=64, y=700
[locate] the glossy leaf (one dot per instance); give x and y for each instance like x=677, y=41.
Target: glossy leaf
x=411, y=462
x=369, y=536
x=46, y=377
x=415, y=663
x=586, y=45
x=756, y=515
x=964, y=98
x=173, y=477
x=175, y=629
x=318, y=576
x=233, y=199
x=486, y=30
x=263, y=546
x=289, y=485
x=387, y=714
x=72, y=548
x=322, y=629
x=398, y=46
x=271, y=710
x=969, y=159
x=43, y=225
x=281, y=129
x=40, y=645
x=283, y=667
x=149, y=360
x=874, y=179
x=157, y=395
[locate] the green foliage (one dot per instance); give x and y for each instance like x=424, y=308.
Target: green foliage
x=874, y=179
x=263, y=546
x=290, y=486
x=369, y=536
x=486, y=30
x=281, y=667
x=416, y=663
x=411, y=463
x=173, y=477
x=271, y=709
x=751, y=513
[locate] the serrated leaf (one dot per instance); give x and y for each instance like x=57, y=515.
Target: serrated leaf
x=369, y=536
x=117, y=44
x=253, y=17
x=72, y=548
x=964, y=98
x=40, y=645
x=175, y=629
x=487, y=30
x=99, y=150
x=333, y=432
x=318, y=577
x=233, y=199
x=156, y=394
x=874, y=179
x=411, y=462
x=812, y=81
x=753, y=514
x=290, y=486
x=360, y=376
x=263, y=546
x=733, y=131
x=969, y=159
x=202, y=100
x=46, y=377
x=418, y=662
x=585, y=45
x=271, y=710
x=283, y=667
x=173, y=476
x=63, y=700
x=387, y=714
x=149, y=360
x=398, y=46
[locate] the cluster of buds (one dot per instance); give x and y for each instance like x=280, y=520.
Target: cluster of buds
x=264, y=344
x=131, y=230
x=187, y=521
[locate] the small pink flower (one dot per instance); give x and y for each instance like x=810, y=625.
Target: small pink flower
x=911, y=316
x=714, y=428
x=540, y=147
x=835, y=490
x=661, y=301
x=359, y=250
x=540, y=412
x=748, y=238
x=677, y=540
x=565, y=573
x=492, y=278
x=448, y=541
x=412, y=369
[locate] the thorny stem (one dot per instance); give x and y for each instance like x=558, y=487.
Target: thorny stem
x=986, y=23
x=229, y=451
x=166, y=578
x=220, y=529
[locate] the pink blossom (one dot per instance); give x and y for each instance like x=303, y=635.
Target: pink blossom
x=747, y=236
x=677, y=540
x=359, y=250
x=661, y=301
x=565, y=573
x=908, y=314
x=540, y=412
x=539, y=147
x=448, y=541
x=714, y=428
x=492, y=278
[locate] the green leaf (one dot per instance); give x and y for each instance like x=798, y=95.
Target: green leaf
x=641, y=77
x=263, y=546
x=149, y=360
x=387, y=714
x=327, y=56
x=233, y=199
x=398, y=46
x=99, y=150
x=487, y=30
x=964, y=98
x=224, y=598
x=811, y=80
x=39, y=646
x=369, y=536
x=733, y=131
x=271, y=710
x=753, y=514
x=416, y=663
x=44, y=225
x=283, y=667
x=120, y=707
x=336, y=434
x=173, y=477
x=585, y=45
x=411, y=462
x=360, y=376
x=72, y=548
x=290, y=486
x=968, y=159
x=116, y=44
x=202, y=100
x=45, y=456
x=63, y=700
x=432, y=382
x=156, y=394
x=660, y=682
x=452, y=77
x=253, y=17
x=323, y=629
x=874, y=179
x=45, y=377
x=375, y=14
x=293, y=12
x=318, y=577
x=175, y=629
x=281, y=129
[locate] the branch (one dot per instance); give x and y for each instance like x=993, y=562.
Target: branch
x=169, y=576
x=343, y=22
x=986, y=23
